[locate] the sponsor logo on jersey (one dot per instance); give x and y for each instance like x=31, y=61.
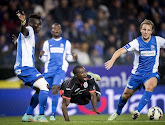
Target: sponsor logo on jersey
x=56, y=50
x=127, y=46
x=148, y=53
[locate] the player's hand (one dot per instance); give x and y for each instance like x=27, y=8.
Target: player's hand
x=14, y=39
x=21, y=16
x=109, y=64
x=75, y=56
x=41, y=53
x=95, y=110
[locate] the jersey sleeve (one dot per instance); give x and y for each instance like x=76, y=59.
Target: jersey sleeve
x=30, y=30
x=44, y=57
x=91, y=85
x=66, y=89
x=160, y=41
x=69, y=56
x=131, y=46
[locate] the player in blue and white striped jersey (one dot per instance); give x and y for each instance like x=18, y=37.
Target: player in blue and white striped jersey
x=56, y=54
x=24, y=66
x=145, y=74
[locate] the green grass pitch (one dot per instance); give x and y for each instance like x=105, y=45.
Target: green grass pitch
x=124, y=119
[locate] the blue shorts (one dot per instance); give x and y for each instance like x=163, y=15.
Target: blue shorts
x=137, y=81
x=28, y=75
x=56, y=78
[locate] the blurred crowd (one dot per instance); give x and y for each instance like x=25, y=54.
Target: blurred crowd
x=96, y=28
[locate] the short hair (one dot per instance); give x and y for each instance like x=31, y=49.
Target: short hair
x=148, y=22
x=35, y=16
x=57, y=24
x=75, y=69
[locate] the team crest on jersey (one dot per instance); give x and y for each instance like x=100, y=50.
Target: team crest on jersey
x=152, y=47
x=61, y=45
x=85, y=84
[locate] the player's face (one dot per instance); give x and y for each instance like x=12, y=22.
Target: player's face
x=36, y=24
x=82, y=75
x=56, y=30
x=146, y=31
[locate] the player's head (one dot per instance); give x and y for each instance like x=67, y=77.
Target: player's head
x=35, y=22
x=80, y=73
x=146, y=29
x=56, y=30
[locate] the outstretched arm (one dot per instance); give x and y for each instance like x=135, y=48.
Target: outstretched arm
x=65, y=103
x=22, y=17
x=110, y=62
x=94, y=102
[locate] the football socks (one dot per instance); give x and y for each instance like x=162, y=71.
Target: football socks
x=144, y=100
x=42, y=101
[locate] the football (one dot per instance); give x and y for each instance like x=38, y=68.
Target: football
x=155, y=113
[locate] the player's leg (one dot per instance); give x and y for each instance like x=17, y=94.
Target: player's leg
x=57, y=81
x=128, y=92
x=28, y=75
x=150, y=84
x=55, y=96
x=43, y=85
x=33, y=103
x=122, y=101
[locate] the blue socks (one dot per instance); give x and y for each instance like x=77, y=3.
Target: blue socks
x=43, y=95
x=144, y=100
x=33, y=104
x=54, y=104
x=120, y=105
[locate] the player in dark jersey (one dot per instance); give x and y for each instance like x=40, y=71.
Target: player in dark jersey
x=79, y=89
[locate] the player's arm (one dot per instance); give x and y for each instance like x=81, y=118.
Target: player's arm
x=110, y=62
x=65, y=103
x=70, y=57
x=22, y=17
x=92, y=89
x=94, y=102
x=44, y=52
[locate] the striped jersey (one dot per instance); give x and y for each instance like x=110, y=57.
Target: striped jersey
x=25, y=49
x=147, y=54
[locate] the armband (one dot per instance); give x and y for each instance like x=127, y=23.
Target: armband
x=23, y=22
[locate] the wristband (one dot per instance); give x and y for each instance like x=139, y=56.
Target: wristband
x=23, y=22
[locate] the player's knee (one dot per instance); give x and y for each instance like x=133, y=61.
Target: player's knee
x=150, y=88
x=42, y=84
x=55, y=89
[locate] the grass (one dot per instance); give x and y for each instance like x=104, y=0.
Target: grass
x=87, y=120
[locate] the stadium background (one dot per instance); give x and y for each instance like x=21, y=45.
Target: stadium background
x=96, y=28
